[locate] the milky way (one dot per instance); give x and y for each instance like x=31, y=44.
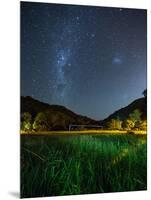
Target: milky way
x=90, y=59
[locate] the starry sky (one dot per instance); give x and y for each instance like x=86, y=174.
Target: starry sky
x=90, y=59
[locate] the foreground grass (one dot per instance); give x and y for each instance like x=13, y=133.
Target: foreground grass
x=67, y=165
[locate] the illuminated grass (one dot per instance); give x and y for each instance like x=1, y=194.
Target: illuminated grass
x=84, y=132
x=66, y=165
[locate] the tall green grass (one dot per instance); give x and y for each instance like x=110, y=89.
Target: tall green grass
x=67, y=165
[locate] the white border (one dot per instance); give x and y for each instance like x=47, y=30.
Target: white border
x=9, y=99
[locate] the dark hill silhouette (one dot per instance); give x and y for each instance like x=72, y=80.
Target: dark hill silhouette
x=123, y=113
x=59, y=117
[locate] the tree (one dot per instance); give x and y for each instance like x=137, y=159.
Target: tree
x=26, y=117
x=145, y=93
x=141, y=125
x=26, y=121
x=128, y=124
x=41, y=122
x=114, y=124
x=135, y=115
x=144, y=114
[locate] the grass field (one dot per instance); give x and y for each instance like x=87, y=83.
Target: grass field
x=82, y=164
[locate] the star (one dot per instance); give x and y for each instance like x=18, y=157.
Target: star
x=77, y=18
x=34, y=80
x=70, y=54
x=92, y=35
x=117, y=60
x=62, y=58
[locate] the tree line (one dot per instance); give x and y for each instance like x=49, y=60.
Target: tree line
x=41, y=123
x=133, y=122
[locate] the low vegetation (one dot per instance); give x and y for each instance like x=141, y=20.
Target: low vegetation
x=67, y=165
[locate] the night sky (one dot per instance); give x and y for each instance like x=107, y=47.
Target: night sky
x=90, y=59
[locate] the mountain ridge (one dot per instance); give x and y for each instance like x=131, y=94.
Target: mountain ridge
x=124, y=112
x=59, y=117
x=46, y=106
